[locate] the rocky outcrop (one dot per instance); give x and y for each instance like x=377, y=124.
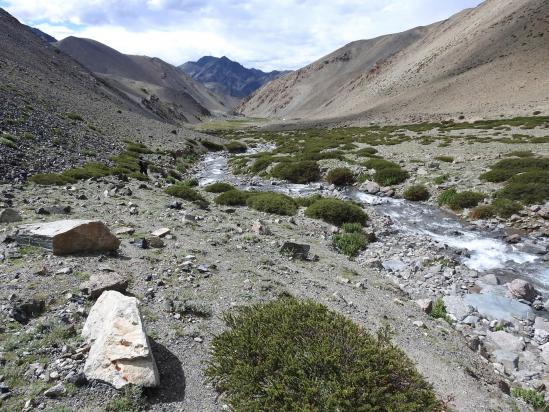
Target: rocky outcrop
x=9, y=216
x=66, y=237
x=521, y=289
x=120, y=353
x=101, y=282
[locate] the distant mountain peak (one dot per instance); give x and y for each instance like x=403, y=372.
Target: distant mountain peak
x=227, y=76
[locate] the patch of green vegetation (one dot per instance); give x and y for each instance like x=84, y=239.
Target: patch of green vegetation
x=336, y=212
x=297, y=172
x=289, y=355
x=465, y=200
x=352, y=240
x=482, y=212
x=390, y=176
x=219, y=187
x=307, y=201
x=88, y=171
x=236, y=147
x=526, y=193
x=531, y=397
x=8, y=140
x=438, y=310
x=446, y=159
x=131, y=400
x=380, y=164
x=274, y=203
x=446, y=196
x=185, y=192
x=341, y=176
x=75, y=116
x=50, y=179
x=366, y=152
x=521, y=153
x=506, y=208
x=211, y=146
x=233, y=198
x=440, y=179
x=416, y=193
x=507, y=168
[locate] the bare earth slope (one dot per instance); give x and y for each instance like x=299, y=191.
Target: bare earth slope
x=144, y=79
x=39, y=87
x=488, y=61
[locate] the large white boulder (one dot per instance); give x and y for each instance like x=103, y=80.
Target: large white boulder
x=65, y=237
x=120, y=353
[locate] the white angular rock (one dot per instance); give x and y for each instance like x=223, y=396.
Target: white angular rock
x=120, y=353
x=425, y=304
x=65, y=237
x=163, y=231
x=505, y=341
x=9, y=216
x=100, y=282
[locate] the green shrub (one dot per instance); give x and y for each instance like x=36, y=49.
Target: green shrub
x=261, y=164
x=293, y=355
x=336, y=212
x=185, y=192
x=275, y=203
x=366, y=152
x=446, y=196
x=506, y=208
x=507, y=168
x=447, y=159
x=307, y=201
x=75, y=116
x=526, y=193
x=465, y=200
x=497, y=175
x=350, y=244
x=236, y=147
x=416, y=193
x=88, y=171
x=531, y=397
x=8, y=140
x=380, y=164
x=440, y=179
x=352, y=227
x=521, y=153
x=297, y=172
x=50, y=179
x=340, y=177
x=211, y=146
x=482, y=212
x=438, y=310
x=390, y=176
x=534, y=176
x=138, y=148
x=219, y=187
x=233, y=198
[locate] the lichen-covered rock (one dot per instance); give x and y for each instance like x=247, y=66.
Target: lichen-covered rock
x=9, y=216
x=120, y=353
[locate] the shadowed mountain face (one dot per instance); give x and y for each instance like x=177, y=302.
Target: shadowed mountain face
x=151, y=82
x=225, y=76
x=44, y=36
x=482, y=62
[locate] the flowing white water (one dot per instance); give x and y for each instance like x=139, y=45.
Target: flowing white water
x=485, y=251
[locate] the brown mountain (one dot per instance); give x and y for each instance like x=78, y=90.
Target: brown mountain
x=149, y=81
x=482, y=62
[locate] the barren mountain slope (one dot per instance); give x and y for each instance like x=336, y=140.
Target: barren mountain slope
x=487, y=61
x=142, y=77
x=56, y=113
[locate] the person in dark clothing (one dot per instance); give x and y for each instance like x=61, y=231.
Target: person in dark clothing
x=142, y=166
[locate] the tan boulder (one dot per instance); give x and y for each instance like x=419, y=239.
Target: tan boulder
x=65, y=237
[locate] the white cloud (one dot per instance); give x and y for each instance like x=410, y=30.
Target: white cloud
x=274, y=34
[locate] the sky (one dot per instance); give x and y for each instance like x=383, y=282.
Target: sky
x=268, y=35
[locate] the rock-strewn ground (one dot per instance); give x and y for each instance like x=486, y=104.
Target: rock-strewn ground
x=211, y=262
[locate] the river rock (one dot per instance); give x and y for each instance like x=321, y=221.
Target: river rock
x=260, y=228
x=9, y=216
x=370, y=187
x=521, y=289
x=495, y=307
x=120, y=353
x=504, y=341
x=456, y=306
x=295, y=250
x=65, y=237
x=508, y=359
x=100, y=282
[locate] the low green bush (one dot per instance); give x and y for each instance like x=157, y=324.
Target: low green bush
x=531, y=397
x=307, y=201
x=350, y=244
x=438, y=310
x=75, y=116
x=465, y=200
x=440, y=179
x=390, y=176
x=336, y=212
x=185, y=192
x=534, y=176
x=233, y=198
x=297, y=172
x=508, y=168
x=506, y=208
x=521, y=153
x=526, y=193
x=446, y=196
x=50, y=179
x=236, y=147
x=261, y=164
x=219, y=187
x=293, y=355
x=482, y=212
x=88, y=171
x=211, y=146
x=497, y=175
x=341, y=176
x=352, y=227
x=446, y=159
x=380, y=164
x=416, y=193
x=367, y=152
x=275, y=203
